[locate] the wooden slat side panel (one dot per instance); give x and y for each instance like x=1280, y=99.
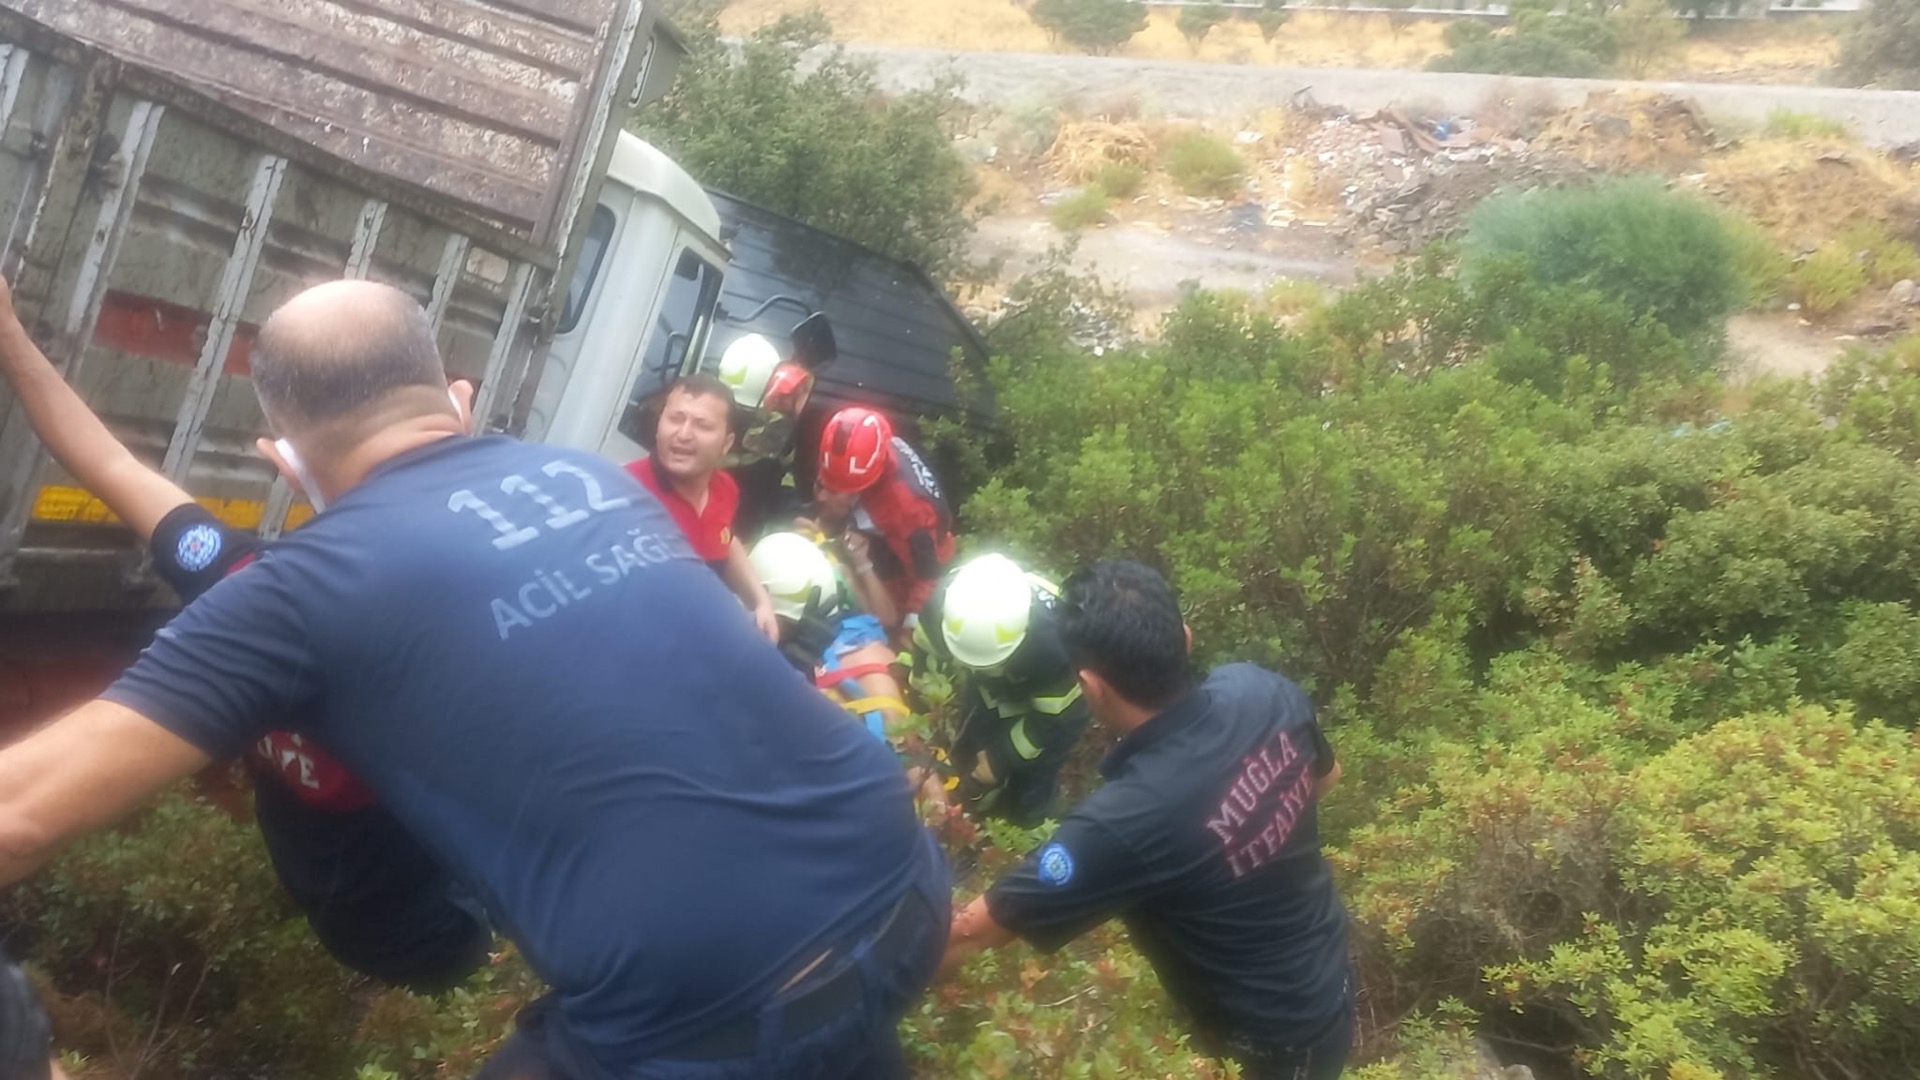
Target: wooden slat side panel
x=480, y=101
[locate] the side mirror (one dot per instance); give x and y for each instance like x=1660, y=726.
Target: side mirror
x=813, y=343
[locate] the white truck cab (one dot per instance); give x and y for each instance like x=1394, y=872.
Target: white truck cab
x=640, y=304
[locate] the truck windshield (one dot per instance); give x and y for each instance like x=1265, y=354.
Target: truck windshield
x=684, y=312
x=593, y=251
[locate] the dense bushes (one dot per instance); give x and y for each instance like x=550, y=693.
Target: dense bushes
x=817, y=141
x=1883, y=48
x=1585, y=629
x=1666, y=255
x=1622, y=664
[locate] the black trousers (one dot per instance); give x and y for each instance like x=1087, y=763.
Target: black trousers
x=378, y=902
x=1320, y=1056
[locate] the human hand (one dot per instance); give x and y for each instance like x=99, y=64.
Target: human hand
x=766, y=620
x=859, y=550
x=26, y=1040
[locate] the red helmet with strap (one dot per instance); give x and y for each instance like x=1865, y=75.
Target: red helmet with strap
x=853, y=449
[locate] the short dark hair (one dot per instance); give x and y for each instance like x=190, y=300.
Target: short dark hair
x=316, y=363
x=1121, y=620
x=706, y=384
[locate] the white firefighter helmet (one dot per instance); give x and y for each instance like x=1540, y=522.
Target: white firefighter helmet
x=792, y=567
x=984, y=617
x=747, y=366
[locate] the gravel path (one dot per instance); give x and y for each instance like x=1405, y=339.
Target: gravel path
x=1878, y=117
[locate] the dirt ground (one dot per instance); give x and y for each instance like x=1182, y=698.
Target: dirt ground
x=1328, y=194
x=1781, y=53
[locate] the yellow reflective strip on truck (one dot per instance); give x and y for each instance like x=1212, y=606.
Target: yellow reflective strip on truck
x=72, y=505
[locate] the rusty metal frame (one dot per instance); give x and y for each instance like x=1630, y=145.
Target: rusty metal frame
x=519, y=291
x=366, y=236
x=570, y=213
x=15, y=71
x=453, y=263
x=236, y=282
x=76, y=107
x=116, y=215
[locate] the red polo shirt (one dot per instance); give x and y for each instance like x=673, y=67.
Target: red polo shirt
x=710, y=529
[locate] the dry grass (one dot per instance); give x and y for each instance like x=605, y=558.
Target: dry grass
x=1786, y=53
x=1310, y=39
x=1082, y=149
x=1769, y=53
x=1804, y=192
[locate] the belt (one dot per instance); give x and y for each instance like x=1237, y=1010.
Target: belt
x=824, y=1002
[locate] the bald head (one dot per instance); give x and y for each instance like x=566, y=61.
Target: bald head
x=345, y=354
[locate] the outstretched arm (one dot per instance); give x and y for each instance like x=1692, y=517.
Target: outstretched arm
x=81, y=773
x=746, y=585
x=974, y=931
x=76, y=438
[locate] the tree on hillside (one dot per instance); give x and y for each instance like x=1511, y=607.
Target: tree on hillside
x=1196, y=21
x=1884, y=47
x=1648, y=34
x=821, y=144
x=1399, y=15
x=1270, y=18
x=1094, y=26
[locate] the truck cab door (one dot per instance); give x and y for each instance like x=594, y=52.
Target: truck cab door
x=637, y=314
x=672, y=347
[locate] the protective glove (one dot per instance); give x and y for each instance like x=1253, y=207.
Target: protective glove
x=26, y=1040
x=805, y=641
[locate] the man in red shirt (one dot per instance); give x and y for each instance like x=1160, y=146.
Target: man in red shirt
x=695, y=434
x=873, y=484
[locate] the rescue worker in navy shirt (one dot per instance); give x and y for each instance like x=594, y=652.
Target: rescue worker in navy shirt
x=515, y=647
x=1021, y=710
x=1203, y=839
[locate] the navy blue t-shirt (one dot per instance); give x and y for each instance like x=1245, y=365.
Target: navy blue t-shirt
x=516, y=648
x=1205, y=841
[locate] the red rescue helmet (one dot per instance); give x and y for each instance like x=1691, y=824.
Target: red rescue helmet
x=853, y=449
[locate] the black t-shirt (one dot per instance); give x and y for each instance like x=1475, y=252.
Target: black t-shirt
x=1204, y=840
x=1039, y=668
x=193, y=550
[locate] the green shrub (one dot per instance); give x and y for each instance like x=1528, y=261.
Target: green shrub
x=1269, y=18
x=1763, y=268
x=1828, y=279
x=1461, y=33
x=1666, y=254
x=822, y=133
x=1883, y=46
x=1886, y=258
x=1538, y=43
x=1647, y=33
x=182, y=953
x=1716, y=909
x=1083, y=208
x=1094, y=26
x=1197, y=20
x=1121, y=179
x=1205, y=166
x=1789, y=124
